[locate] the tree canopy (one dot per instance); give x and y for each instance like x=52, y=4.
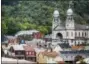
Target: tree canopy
x=26, y=15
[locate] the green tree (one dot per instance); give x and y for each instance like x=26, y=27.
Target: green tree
x=25, y=15
x=42, y=29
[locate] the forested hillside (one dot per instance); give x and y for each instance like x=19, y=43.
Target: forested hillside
x=25, y=15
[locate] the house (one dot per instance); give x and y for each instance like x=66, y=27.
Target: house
x=11, y=39
x=30, y=53
x=25, y=34
x=16, y=51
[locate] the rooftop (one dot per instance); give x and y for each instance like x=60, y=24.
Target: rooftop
x=26, y=32
x=28, y=48
x=17, y=47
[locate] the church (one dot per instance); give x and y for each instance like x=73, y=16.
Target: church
x=69, y=32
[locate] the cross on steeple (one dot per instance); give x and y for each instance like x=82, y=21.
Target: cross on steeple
x=70, y=4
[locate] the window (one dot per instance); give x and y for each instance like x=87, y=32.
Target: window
x=71, y=33
x=82, y=34
x=27, y=53
x=71, y=56
x=78, y=43
x=75, y=33
x=82, y=43
x=71, y=18
x=75, y=42
x=72, y=40
x=79, y=34
x=56, y=19
x=85, y=34
x=67, y=34
x=18, y=52
x=59, y=36
x=33, y=53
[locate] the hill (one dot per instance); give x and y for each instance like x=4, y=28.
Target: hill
x=24, y=15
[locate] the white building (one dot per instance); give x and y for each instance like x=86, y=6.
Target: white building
x=70, y=32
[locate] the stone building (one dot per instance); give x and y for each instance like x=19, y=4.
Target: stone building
x=73, y=38
x=70, y=32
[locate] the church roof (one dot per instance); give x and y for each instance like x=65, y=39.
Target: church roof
x=79, y=27
x=56, y=13
x=69, y=11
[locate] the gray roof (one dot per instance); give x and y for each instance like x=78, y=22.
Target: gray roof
x=26, y=32
x=10, y=37
x=79, y=27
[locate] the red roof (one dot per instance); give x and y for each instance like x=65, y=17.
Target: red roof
x=28, y=48
x=30, y=51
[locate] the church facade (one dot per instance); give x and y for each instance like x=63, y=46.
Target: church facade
x=69, y=32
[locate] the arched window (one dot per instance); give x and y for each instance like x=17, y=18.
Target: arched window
x=59, y=35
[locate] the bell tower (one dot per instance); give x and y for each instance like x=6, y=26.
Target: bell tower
x=56, y=19
x=69, y=20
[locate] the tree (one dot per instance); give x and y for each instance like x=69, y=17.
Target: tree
x=23, y=15
x=42, y=29
x=3, y=28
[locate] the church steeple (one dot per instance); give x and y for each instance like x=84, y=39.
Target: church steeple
x=56, y=13
x=56, y=21
x=69, y=19
x=56, y=17
x=70, y=11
